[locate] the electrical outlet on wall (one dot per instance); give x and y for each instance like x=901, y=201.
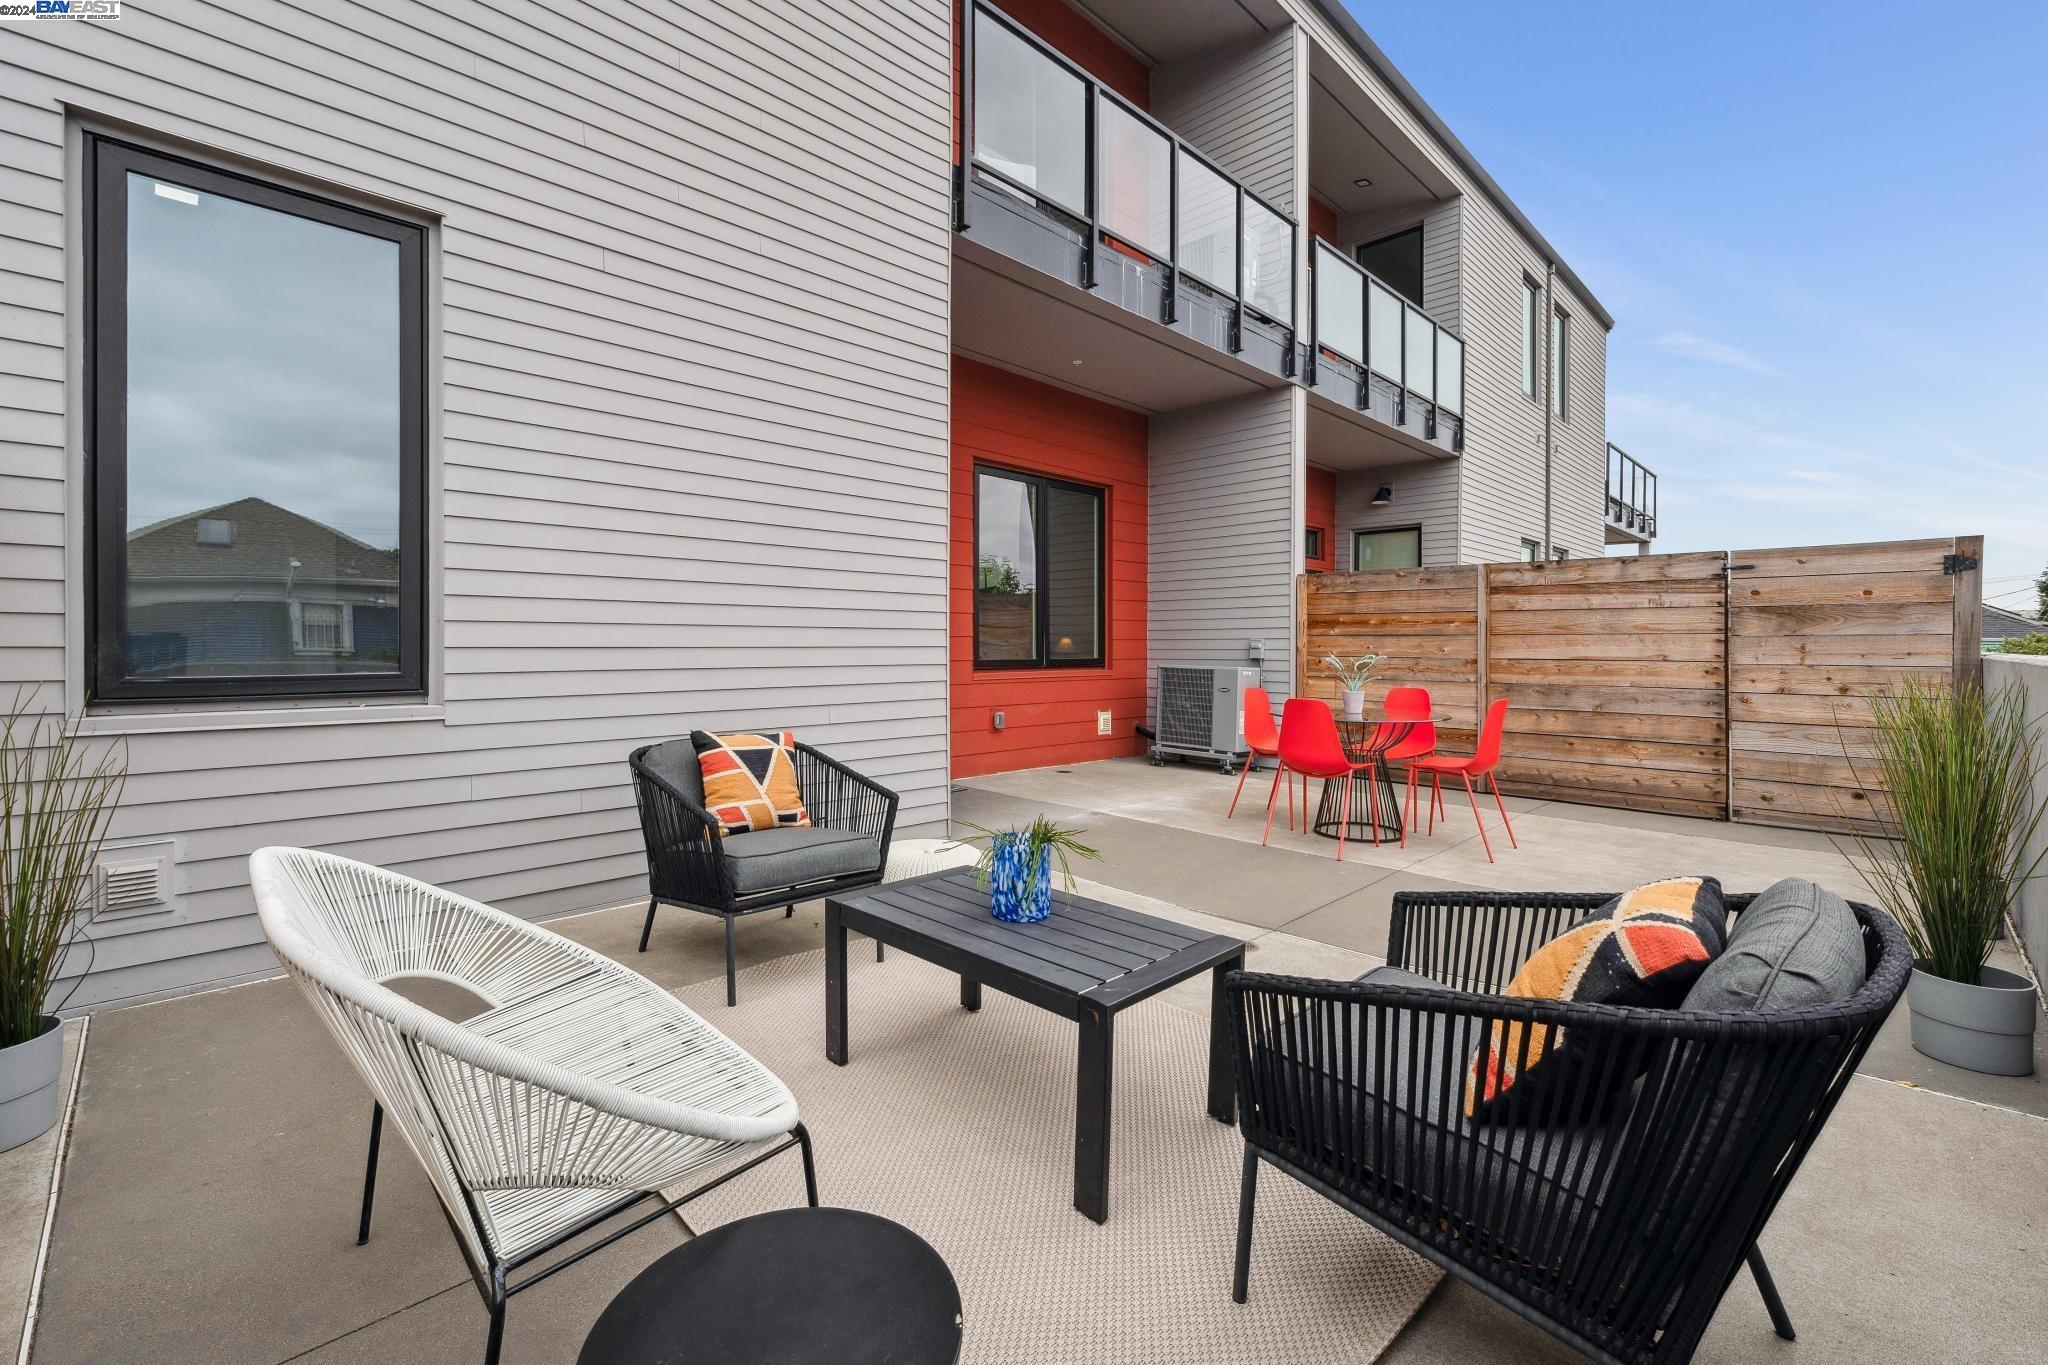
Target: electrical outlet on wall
x=1102, y=723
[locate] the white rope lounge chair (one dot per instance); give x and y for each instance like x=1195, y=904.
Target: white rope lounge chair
x=581, y=1090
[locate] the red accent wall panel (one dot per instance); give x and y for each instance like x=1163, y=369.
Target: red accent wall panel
x=1009, y=421
x=1322, y=513
x=1322, y=219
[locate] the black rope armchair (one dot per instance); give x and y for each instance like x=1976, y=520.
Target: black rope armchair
x=691, y=863
x=1614, y=1209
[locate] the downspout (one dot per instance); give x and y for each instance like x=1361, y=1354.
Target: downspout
x=1547, y=330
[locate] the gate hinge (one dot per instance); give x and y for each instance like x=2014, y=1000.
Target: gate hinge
x=1955, y=564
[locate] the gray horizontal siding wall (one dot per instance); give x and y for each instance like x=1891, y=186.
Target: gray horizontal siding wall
x=1425, y=495
x=1224, y=537
x=1501, y=480
x=692, y=407
x=1238, y=108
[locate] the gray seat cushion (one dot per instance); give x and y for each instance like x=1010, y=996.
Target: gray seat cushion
x=770, y=859
x=1796, y=944
x=676, y=763
x=1502, y=1182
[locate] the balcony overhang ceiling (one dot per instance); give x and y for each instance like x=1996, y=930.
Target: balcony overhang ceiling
x=1166, y=33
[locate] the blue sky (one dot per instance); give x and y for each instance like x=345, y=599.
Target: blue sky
x=1822, y=229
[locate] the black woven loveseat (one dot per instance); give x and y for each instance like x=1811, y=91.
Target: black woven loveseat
x=693, y=864
x=1615, y=1211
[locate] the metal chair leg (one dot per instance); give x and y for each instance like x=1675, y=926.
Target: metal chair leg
x=1473, y=797
x=1242, y=774
x=370, y=1173
x=1503, y=810
x=803, y=1142
x=496, y=1342
x=1273, y=799
x=1781, y=1321
x=648, y=927
x=1247, y=1196
x=731, y=991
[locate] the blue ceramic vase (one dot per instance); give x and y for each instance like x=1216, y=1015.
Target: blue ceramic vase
x=1007, y=898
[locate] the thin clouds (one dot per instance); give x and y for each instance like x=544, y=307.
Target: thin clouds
x=1695, y=347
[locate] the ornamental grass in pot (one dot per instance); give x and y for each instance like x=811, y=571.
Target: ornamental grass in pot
x=1354, y=673
x=55, y=802
x=1955, y=815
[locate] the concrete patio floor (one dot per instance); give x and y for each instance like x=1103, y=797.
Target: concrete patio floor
x=207, y=1210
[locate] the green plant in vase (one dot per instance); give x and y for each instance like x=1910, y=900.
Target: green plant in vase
x=1016, y=866
x=1354, y=673
x=56, y=801
x=1954, y=814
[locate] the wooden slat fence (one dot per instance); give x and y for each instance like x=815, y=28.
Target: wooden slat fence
x=1813, y=633
x=1615, y=672
x=1711, y=684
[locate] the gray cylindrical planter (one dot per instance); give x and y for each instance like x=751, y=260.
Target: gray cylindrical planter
x=28, y=1085
x=1987, y=1027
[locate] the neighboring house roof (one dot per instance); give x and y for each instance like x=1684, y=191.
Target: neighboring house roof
x=1341, y=19
x=2000, y=624
x=263, y=540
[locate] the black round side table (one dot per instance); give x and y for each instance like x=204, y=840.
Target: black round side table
x=796, y=1287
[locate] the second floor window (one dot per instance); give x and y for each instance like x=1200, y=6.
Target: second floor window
x=256, y=437
x=1397, y=261
x=1560, y=363
x=1037, y=572
x=1532, y=324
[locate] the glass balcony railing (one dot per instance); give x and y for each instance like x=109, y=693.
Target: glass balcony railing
x=1040, y=127
x=1362, y=322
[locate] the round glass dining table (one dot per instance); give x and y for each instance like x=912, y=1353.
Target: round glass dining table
x=1375, y=805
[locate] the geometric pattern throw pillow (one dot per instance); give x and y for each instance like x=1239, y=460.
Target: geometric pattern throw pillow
x=1644, y=948
x=750, y=781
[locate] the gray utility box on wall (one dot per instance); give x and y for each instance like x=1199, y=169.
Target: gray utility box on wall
x=1201, y=713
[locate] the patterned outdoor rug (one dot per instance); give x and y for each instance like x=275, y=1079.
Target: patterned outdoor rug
x=961, y=1127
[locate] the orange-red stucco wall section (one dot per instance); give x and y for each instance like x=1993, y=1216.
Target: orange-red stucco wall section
x=1006, y=421
x=1322, y=219
x=1322, y=515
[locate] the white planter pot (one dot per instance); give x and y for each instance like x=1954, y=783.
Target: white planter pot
x=28, y=1085
x=1988, y=1027
x=1354, y=706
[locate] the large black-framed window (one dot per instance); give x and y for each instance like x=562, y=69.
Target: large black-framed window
x=1396, y=260
x=1038, y=571
x=256, y=437
x=1398, y=547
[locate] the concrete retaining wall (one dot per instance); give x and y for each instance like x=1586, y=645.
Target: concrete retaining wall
x=2030, y=673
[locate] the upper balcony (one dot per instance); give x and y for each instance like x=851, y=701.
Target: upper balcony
x=1379, y=353
x=1631, y=499
x=1065, y=176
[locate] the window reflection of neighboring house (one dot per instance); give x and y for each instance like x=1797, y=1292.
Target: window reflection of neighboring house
x=249, y=586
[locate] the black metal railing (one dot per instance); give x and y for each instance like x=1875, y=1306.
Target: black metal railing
x=1038, y=125
x=1631, y=493
x=1355, y=317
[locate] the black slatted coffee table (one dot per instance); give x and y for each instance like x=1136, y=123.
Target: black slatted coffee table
x=1086, y=962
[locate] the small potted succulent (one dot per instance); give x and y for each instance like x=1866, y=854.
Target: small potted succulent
x=1354, y=674
x=1016, y=867
x=55, y=803
x=1954, y=816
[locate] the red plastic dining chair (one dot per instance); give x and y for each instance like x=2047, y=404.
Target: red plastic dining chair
x=1262, y=738
x=1409, y=706
x=1485, y=758
x=1311, y=746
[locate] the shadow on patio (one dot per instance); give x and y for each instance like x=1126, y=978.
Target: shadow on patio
x=207, y=1209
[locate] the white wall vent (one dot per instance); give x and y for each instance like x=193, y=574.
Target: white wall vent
x=135, y=879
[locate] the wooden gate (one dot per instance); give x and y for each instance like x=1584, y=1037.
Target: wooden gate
x=1729, y=686
x=1615, y=673
x=1812, y=634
